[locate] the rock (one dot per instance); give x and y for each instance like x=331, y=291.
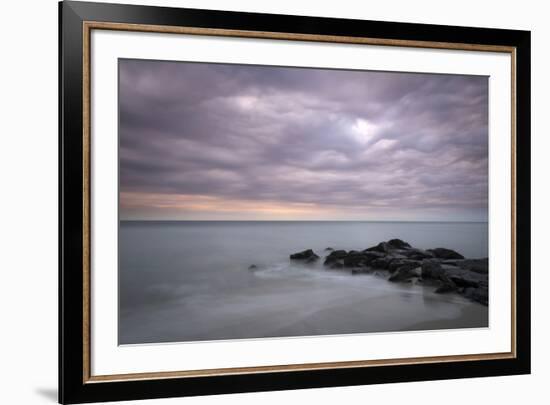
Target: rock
x=380, y=263
x=445, y=288
x=398, y=244
x=307, y=255
x=405, y=272
x=397, y=263
x=444, y=269
x=252, y=267
x=381, y=247
x=464, y=278
x=418, y=254
x=476, y=265
x=449, y=267
x=445, y=284
x=337, y=265
x=387, y=247
x=480, y=294
x=443, y=253
x=360, y=259
x=431, y=269
x=356, y=260
x=334, y=256
x=373, y=253
x=395, y=254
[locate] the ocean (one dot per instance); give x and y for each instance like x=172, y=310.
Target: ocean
x=183, y=281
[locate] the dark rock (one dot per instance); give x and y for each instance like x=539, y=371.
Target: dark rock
x=444, y=269
x=464, y=282
x=443, y=253
x=252, y=267
x=446, y=284
x=337, y=265
x=449, y=267
x=480, y=294
x=360, y=259
x=484, y=282
x=307, y=255
x=373, y=253
x=398, y=244
x=338, y=253
x=431, y=269
x=381, y=247
x=397, y=263
x=476, y=265
x=418, y=254
x=380, y=263
x=405, y=272
x=395, y=254
x=356, y=260
x=464, y=278
x=334, y=256
x=445, y=288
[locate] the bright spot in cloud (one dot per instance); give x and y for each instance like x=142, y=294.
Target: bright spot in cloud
x=246, y=102
x=364, y=131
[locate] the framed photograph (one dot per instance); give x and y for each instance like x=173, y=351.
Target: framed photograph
x=254, y=202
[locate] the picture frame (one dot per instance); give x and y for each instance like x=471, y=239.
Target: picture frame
x=77, y=381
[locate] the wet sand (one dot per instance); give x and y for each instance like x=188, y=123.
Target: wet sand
x=472, y=316
x=360, y=317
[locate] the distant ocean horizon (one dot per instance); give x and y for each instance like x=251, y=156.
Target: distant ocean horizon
x=199, y=280
x=293, y=220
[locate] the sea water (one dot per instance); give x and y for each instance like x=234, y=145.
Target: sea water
x=191, y=281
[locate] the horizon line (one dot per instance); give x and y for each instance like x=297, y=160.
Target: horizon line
x=289, y=220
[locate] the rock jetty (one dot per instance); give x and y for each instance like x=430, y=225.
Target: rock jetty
x=445, y=269
x=307, y=255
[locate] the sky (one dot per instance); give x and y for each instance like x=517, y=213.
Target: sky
x=201, y=141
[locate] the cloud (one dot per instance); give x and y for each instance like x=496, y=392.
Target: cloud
x=378, y=145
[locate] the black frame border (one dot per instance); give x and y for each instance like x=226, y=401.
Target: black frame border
x=72, y=386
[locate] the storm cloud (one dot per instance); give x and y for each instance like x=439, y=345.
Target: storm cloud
x=221, y=141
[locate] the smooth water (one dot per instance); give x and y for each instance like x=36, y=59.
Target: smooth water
x=190, y=280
